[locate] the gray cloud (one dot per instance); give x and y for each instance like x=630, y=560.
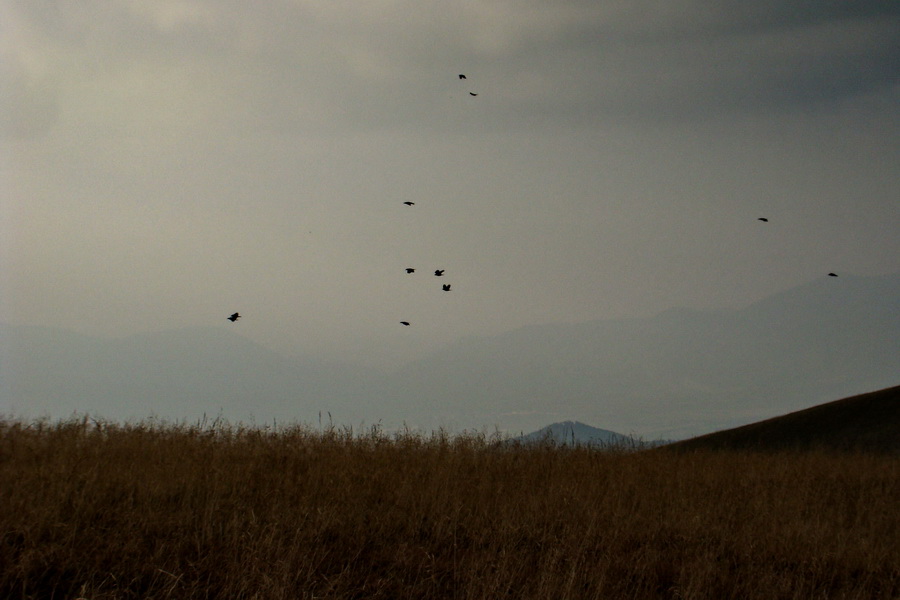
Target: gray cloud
x=28, y=104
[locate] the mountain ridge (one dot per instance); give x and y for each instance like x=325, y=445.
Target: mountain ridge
x=679, y=373
x=730, y=367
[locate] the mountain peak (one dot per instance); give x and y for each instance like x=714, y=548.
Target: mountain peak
x=576, y=433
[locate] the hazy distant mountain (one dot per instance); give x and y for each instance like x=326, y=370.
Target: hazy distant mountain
x=864, y=423
x=172, y=374
x=681, y=373
x=571, y=433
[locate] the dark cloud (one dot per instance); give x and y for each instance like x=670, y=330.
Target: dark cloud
x=324, y=67
x=708, y=60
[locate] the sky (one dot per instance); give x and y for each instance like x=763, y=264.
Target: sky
x=164, y=163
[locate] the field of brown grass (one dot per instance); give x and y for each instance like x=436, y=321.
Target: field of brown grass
x=102, y=511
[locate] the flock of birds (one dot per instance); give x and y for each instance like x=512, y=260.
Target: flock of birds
x=409, y=270
x=437, y=273
x=440, y=272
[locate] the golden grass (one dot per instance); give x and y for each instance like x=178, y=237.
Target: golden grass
x=102, y=511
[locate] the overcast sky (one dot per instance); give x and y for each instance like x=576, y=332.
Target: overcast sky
x=166, y=163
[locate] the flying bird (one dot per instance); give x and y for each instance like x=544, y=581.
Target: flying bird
x=446, y=287
x=234, y=317
x=472, y=94
x=410, y=270
x=439, y=273
x=404, y=323
x=409, y=203
x=763, y=219
x=832, y=274
x=461, y=76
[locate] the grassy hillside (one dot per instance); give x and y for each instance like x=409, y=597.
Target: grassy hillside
x=149, y=511
x=865, y=423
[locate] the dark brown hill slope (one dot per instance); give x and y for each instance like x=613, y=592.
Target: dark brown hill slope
x=866, y=423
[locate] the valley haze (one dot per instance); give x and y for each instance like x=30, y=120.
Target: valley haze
x=680, y=373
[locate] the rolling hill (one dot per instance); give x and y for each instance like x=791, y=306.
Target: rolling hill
x=865, y=423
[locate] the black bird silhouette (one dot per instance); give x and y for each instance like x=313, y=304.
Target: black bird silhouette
x=461, y=76
x=409, y=203
x=234, y=317
x=404, y=323
x=472, y=94
x=763, y=219
x=410, y=270
x=446, y=287
x=832, y=274
x=439, y=273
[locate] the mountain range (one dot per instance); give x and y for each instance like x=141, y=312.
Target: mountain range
x=683, y=372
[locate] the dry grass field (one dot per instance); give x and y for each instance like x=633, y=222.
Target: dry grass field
x=102, y=511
